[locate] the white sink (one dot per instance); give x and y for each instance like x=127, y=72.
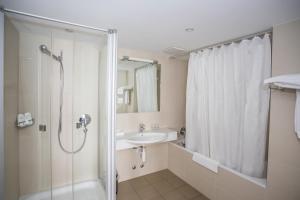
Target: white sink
x=147, y=138
x=129, y=140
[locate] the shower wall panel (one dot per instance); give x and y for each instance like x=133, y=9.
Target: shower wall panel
x=11, y=71
x=34, y=146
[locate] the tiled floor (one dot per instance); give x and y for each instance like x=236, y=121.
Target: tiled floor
x=162, y=185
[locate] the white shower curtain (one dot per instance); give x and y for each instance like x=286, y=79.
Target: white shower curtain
x=146, y=88
x=227, y=104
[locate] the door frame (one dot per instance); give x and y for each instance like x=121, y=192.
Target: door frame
x=112, y=79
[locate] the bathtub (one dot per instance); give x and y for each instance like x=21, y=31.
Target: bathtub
x=92, y=190
x=212, y=179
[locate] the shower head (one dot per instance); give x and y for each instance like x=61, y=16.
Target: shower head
x=45, y=50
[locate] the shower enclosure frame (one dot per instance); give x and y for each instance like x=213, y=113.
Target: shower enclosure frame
x=111, y=90
x=1, y=105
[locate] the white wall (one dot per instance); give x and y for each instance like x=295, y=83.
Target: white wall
x=34, y=146
x=172, y=94
x=156, y=160
x=283, y=176
x=11, y=98
x=171, y=114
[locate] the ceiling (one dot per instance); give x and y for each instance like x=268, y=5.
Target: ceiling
x=48, y=30
x=157, y=24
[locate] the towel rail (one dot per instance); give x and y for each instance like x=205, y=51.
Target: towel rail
x=275, y=87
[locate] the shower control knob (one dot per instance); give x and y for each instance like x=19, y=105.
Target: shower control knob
x=83, y=121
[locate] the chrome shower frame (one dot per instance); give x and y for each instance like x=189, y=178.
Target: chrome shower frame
x=2, y=106
x=111, y=88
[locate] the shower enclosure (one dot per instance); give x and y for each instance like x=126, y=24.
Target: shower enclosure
x=58, y=109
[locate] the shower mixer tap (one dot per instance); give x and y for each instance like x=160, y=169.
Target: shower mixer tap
x=84, y=120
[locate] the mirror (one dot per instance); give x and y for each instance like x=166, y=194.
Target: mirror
x=138, y=85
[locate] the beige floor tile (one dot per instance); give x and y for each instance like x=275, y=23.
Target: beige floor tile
x=139, y=183
x=176, y=182
x=188, y=192
x=173, y=195
x=163, y=187
x=157, y=198
x=166, y=174
x=147, y=193
x=128, y=196
x=125, y=188
x=153, y=178
x=200, y=197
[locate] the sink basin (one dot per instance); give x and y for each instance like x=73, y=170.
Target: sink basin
x=147, y=138
x=129, y=140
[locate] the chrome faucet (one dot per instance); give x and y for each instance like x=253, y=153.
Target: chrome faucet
x=141, y=128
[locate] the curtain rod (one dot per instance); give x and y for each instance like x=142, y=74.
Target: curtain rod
x=139, y=60
x=239, y=39
x=5, y=10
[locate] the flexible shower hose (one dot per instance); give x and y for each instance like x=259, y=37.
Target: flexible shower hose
x=61, y=100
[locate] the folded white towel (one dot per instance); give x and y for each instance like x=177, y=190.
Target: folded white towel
x=291, y=81
x=126, y=97
x=120, y=90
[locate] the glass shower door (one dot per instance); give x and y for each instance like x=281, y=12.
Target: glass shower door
x=89, y=163
x=79, y=148
x=65, y=76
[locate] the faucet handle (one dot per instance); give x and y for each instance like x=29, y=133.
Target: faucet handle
x=142, y=127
